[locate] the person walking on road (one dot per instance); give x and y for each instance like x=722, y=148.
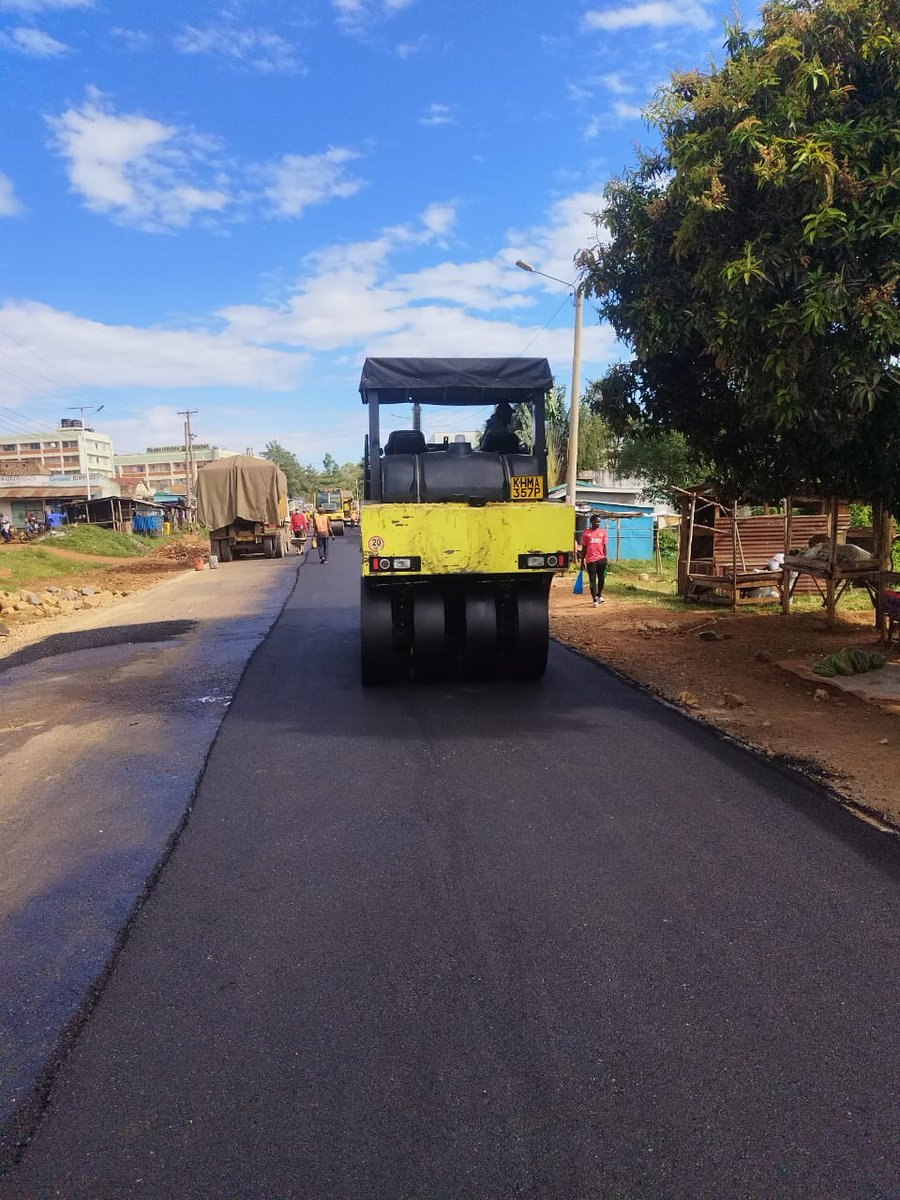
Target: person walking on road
x=322, y=525
x=595, y=556
x=299, y=528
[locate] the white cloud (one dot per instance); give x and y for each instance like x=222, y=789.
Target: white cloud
x=355, y=15
x=552, y=247
x=656, y=13
x=439, y=218
x=133, y=39
x=438, y=114
x=135, y=169
x=410, y=49
x=616, y=83
x=299, y=181
x=94, y=354
x=253, y=49
x=9, y=205
x=349, y=299
x=32, y=42
x=34, y=6
x=627, y=112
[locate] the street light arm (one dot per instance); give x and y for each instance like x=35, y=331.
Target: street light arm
x=525, y=266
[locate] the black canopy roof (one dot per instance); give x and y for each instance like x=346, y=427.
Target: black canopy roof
x=456, y=381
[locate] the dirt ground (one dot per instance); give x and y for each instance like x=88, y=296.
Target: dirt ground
x=121, y=576
x=732, y=681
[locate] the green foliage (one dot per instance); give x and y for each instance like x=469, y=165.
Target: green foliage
x=593, y=435
x=304, y=480
x=32, y=566
x=752, y=264
x=861, y=515
x=668, y=543
x=93, y=539
x=288, y=462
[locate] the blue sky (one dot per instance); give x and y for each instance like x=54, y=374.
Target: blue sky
x=226, y=207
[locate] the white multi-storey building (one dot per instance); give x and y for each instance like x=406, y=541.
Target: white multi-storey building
x=72, y=449
x=165, y=468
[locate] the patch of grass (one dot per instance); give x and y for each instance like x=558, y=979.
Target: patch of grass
x=92, y=539
x=31, y=567
x=623, y=579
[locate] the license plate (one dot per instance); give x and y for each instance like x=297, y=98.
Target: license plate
x=245, y=537
x=527, y=487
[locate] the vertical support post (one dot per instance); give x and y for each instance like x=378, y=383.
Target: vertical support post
x=830, y=602
x=374, y=449
x=618, y=538
x=788, y=537
x=690, y=545
x=575, y=401
x=734, y=544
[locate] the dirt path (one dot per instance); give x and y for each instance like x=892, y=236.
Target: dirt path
x=729, y=677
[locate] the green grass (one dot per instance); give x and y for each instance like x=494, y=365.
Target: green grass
x=92, y=539
x=31, y=567
x=660, y=588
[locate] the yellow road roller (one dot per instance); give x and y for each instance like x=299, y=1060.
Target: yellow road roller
x=459, y=540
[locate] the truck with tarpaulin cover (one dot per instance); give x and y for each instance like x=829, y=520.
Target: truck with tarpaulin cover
x=459, y=541
x=243, y=502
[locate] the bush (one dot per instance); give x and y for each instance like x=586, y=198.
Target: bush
x=668, y=543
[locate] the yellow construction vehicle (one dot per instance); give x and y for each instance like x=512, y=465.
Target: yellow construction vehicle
x=459, y=542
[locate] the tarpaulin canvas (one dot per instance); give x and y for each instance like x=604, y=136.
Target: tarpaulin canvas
x=455, y=381
x=241, y=488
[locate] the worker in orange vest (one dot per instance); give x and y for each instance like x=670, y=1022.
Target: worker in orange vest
x=324, y=532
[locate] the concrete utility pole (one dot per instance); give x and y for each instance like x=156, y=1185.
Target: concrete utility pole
x=189, y=459
x=575, y=397
x=81, y=409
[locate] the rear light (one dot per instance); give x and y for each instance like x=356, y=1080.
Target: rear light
x=554, y=560
x=381, y=564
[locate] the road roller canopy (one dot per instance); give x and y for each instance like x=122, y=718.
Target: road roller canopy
x=454, y=381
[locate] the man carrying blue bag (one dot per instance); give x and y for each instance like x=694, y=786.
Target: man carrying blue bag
x=594, y=556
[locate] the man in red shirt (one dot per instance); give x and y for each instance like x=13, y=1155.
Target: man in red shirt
x=594, y=556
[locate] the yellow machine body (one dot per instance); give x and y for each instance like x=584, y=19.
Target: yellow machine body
x=465, y=539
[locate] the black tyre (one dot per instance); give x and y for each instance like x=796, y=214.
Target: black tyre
x=479, y=652
x=337, y=528
x=279, y=546
x=529, y=657
x=429, y=633
x=269, y=547
x=378, y=662
x=225, y=554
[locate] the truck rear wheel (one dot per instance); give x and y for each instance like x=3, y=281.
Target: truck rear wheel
x=224, y=550
x=269, y=547
x=337, y=528
x=279, y=546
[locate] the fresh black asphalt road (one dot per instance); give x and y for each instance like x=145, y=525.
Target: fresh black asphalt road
x=486, y=942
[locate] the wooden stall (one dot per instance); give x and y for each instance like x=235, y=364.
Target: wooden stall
x=831, y=577
x=725, y=557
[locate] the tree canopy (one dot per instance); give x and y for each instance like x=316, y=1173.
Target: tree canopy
x=304, y=480
x=752, y=264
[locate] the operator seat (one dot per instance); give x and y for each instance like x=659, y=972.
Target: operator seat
x=400, y=465
x=406, y=441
